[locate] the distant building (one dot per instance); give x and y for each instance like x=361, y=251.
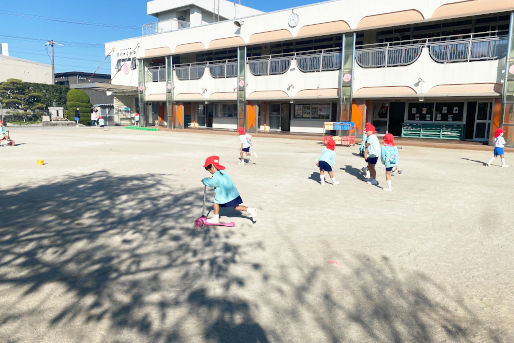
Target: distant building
x=73, y=78
x=24, y=70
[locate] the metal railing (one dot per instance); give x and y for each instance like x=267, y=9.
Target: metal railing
x=189, y=71
x=467, y=50
x=388, y=55
x=471, y=47
x=156, y=74
x=225, y=69
x=164, y=26
x=323, y=60
x=271, y=65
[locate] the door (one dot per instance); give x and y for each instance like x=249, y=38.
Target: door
x=483, y=121
x=274, y=117
x=285, y=118
x=396, y=118
x=200, y=115
x=209, y=114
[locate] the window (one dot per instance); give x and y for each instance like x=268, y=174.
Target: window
x=313, y=111
x=421, y=111
x=449, y=111
x=226, y=110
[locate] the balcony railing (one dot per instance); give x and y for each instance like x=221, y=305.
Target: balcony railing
x=272, y=65
x=189, y=71
x=156, y=74
x=388, y=55
x=165, y=26
x=473, y=47
x=323, y=60
x=223, y=69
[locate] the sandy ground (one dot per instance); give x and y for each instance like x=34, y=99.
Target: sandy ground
x=98, y=244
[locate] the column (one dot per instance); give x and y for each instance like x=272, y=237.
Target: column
x=169, y=91
x=507, y=111
x=141, y=92
x=241, y=86
x=346, y=77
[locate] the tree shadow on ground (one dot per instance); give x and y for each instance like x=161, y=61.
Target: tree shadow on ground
x=358, y=298
x=119, y=252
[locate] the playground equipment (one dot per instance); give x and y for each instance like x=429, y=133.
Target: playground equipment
x=344, y=132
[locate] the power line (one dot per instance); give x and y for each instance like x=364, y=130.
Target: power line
x=46, y=40
x=67, y=21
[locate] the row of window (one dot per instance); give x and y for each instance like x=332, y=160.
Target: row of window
x=302, y=111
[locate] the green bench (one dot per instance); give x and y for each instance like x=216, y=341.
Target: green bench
x=433, y=130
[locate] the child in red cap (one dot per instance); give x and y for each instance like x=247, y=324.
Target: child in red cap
x=225, y=192
x=371, y=154
x=365, y=170
x=390, y=158
x=4, y=134
x=246, y=143
x=499, y=144
x=327, y=162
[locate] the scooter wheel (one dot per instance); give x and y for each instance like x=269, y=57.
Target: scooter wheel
x=11, y=143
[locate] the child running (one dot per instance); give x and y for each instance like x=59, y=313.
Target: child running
x=225, y=192
x=499, y=144
x=390, y=158
x=371, y=154
x=363, y=148
x=246, y=143
x=327, y=161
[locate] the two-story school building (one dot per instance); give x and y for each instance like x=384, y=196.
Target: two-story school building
x=417, y=68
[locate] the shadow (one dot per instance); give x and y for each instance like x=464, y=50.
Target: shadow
x=359, y=298
x=120, y=253
x=315, y=177
x=476, y=161
x=357, y=173
x=357, y=154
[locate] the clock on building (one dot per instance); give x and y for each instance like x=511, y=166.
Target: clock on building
x=293, y=19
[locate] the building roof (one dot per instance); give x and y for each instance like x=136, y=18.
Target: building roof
x=23, y=60
x=226, y=9
x=80, y=73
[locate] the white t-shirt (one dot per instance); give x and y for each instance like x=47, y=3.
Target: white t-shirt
x=499, y=142
x=245, y=140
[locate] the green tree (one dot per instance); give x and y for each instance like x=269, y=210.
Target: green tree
x=12, y=94
x=77, y=98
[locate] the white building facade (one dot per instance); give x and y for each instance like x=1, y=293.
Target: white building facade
x=24, y=70
x=418, y=68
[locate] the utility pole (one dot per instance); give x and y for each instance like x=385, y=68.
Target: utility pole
x=52, y=43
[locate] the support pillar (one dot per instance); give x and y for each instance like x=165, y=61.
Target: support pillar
x=346, y=77
x=169, y=91
x=241, y=86
x=143, y=121
x=507, y=108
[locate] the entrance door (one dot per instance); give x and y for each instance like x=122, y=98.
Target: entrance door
x=285, y=121
x=200, y=115
x=483, y=121
x=210, y=114
x=274, y=117
x=396, y=118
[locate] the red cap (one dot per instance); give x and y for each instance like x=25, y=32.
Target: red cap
x=368, y=124
x=370, y=128
x=331, y=145
x=388, y=139
x=241, y=131
x=1, y=122
x=214, y=160
x=498, y=132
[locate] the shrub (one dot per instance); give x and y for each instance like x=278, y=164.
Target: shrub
x=78, y=98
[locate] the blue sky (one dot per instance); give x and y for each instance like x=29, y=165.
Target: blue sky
x=94, y=23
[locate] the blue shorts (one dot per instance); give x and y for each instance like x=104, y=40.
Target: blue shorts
x=498, y=152
x=389, y=168
x=233, y=203
x=246, y=149
x=324, y=166
x=372, y=160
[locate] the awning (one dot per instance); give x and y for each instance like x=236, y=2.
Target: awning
x=156, y=97
x=229, y=96
x=101, y=86
x=189, y=97
x=385, y=92
x=268, y=95
x=470, y=89
x=319, y=93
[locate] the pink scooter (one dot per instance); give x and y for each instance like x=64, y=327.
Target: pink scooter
x=202, y=221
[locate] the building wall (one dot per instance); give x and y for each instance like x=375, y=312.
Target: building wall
x=27, y=71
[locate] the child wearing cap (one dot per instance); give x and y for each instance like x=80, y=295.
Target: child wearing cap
x=225, y=192
x=101, y=121
x=390, y=158
x=4, y=134
x=246, y=143
x=371, y=154
x=363, y=148
x=499, y=144
x=327, y=162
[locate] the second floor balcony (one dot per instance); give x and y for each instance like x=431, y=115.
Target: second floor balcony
x=164, y=26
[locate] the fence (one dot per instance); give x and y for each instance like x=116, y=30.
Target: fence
x=220, y=70
x=324, y=60
x=156, y=74
x=270, y=65
x=164, y=26
x=190, y=71
x=473, y=49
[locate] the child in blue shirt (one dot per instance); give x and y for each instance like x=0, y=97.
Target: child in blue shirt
x=225, y=192
x=390, y=158
x=499, y=144
x=327, y=161
x=371, y=154
x=246, y=143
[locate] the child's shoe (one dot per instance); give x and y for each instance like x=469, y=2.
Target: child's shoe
x=387, y=189
x=253, y=213
x=214, y=220
x=504, y=166
x=242, y=161
x=334, y=182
